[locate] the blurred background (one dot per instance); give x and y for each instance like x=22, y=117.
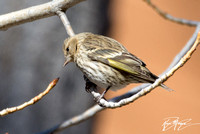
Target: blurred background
x=31, y=56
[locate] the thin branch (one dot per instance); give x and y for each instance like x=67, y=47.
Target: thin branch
x=35, y=13
x=136, y=92
x=66, y=23
x=186, y=48
x=74, y=120
x=170, y=17
x=30, y=102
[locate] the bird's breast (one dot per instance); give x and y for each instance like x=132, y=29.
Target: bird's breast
x=101, y=74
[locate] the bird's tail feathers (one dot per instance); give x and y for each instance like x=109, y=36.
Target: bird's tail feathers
x=166, y=88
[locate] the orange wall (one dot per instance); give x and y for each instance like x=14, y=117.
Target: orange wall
x=156, y=41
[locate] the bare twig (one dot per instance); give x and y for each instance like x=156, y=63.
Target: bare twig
x=35, y=12
x=30, y=102
x=66, y=23
x=74, y=120
x=170, y=17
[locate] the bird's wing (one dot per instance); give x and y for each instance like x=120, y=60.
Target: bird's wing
x=117, y=60
x=115, y=55
x=125, y=62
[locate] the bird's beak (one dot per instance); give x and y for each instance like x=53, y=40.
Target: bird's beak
x=67, y=60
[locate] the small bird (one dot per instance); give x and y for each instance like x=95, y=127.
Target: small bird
x=105, y=62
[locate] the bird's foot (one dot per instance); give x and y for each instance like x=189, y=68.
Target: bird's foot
x=101, y=96
x=97, y=99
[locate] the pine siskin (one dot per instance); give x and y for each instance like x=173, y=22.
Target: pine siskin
x=105, y=62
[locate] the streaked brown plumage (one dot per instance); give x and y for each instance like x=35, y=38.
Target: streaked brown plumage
x=106, y=62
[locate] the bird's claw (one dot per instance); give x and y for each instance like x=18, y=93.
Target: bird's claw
x=97, y=99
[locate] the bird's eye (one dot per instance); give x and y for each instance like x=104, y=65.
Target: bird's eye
x=67, y=49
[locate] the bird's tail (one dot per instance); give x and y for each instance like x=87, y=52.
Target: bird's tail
x=154, y=77
x=166, y=88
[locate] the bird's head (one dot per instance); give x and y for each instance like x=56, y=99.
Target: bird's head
x=69, y=49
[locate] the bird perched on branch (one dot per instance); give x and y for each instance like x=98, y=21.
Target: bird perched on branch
x=105, y=62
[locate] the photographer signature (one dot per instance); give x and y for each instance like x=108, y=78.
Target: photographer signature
x=176, y=124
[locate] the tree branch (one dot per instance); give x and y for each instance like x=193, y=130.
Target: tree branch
x=66, y=23
x=74, y=120
x=30, y=102
x=35, y=13
x=170, y=17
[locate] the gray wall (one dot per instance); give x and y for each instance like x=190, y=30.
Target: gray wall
x=31, y=56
